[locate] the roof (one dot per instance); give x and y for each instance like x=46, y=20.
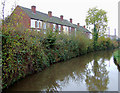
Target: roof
x=44, y=17
x=81, y=28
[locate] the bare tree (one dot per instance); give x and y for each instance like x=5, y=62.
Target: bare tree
x=3, y=9
x=3, y=13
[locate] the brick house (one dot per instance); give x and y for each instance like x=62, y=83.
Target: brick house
x=32, y=19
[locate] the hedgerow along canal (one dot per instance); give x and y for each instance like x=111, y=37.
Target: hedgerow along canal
x=91, y=72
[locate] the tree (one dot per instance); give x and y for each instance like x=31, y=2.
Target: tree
x=98, y=18
x=3, y=15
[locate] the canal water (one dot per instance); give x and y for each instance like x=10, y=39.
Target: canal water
x=91, y=72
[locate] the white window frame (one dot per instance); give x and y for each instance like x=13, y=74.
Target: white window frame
x=37, y=24
x=40, y=24
x=59, y=27
x=48, y=25
x=44, y=26
x=75, y=32
x=70, y=29
x=66, y=29
x=33, y=23
x=54, y=25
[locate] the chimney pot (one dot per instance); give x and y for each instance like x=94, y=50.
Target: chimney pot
x=50, y=13
x=70, y=20
x=33, y=8
x=84, y=26
x=78, y=24
x=61, y=17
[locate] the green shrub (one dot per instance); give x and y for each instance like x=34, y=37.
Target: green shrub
x=104, y=43
x=117, y=56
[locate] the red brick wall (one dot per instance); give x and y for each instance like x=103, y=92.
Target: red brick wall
x=21, y=17
x=61, y=28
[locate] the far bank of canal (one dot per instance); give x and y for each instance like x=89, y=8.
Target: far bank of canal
x=92, y=72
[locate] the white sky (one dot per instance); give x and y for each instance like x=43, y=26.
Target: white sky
x=75, y=9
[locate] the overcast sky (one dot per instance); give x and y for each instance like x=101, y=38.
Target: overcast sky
x=75, y=9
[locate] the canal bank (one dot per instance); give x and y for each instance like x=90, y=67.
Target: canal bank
x=28, y=52
x=91, y=72
x=117, y=58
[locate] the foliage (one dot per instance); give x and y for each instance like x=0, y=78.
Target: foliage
x=97, y=17
x=104, y=43
x=117, y=56
x=25, y=52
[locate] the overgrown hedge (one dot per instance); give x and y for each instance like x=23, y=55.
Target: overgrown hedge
x=25, y=52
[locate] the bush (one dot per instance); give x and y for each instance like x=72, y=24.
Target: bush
x=117, y=56
x=104, y=43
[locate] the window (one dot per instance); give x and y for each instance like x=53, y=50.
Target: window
x=37, y=24
x=70, y=29
x=66, y=28
x=44, y=26
x=32, y=23
x=44, y=32
x=40, y=24
x=75, y=31
x=48, y=25
x=54, y=27
x=59, y=27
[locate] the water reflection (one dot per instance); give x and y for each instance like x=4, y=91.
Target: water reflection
x=84, y=73
x=97, y=78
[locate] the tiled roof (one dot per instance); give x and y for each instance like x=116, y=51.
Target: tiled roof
x=44, y=17
x=81, y=28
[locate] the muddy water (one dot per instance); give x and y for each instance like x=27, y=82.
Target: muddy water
x=92, y=72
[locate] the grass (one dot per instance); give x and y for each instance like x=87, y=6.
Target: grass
x=117, y=56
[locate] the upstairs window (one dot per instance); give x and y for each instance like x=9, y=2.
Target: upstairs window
x=40, y=24
x=44, y=26
x=75, y=31
x=37, y=24
x=66, y=28
x=32, y=23
x=48, y=25
x=54, y=27
x=70, y=29
x=59, y=27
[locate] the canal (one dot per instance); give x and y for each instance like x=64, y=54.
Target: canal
x=91, y=72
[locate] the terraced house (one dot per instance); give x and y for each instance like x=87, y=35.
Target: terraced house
x=32, y=19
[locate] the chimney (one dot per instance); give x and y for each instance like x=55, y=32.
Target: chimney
x=61, y=17
x=33, y=8
x=70, y=20
x=84, y=26
x=50, y=13
x=78, y=24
